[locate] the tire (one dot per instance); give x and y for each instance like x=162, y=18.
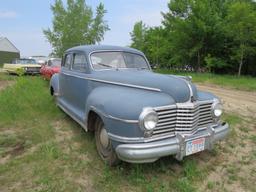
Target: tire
x=104, y=145
x=52, y=91
x=53, y=95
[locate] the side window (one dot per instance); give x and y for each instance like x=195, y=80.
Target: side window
x=49, y=63
x=79, y=62
x=67, y=62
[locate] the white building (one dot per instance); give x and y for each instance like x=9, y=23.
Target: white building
x=8, y=51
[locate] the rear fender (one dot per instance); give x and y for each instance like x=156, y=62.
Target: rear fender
x=54, y=84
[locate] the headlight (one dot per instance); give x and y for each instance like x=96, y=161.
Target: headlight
x=148, y=119
x=217, y=109
x=25, y=68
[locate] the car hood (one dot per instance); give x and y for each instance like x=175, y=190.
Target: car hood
x=20, y=65
x=177, y=87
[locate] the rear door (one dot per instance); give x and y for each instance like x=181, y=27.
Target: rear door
x=64, y=81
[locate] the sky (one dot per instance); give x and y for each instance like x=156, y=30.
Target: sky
x=22, y=22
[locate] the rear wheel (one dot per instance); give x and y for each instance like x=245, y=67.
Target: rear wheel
x=53, y=94
x=104, y=145
x=52, y=91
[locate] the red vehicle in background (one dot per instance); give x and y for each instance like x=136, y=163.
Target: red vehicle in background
x=52, y=66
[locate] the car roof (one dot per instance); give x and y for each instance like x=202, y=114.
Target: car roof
x=91, y=48
x=23, y=59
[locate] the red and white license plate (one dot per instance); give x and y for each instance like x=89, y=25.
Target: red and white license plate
x=195, y=146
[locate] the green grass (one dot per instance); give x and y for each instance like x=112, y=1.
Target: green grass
x=42, y=149
x=48, y=151
x=5, y=77
x=241, y=83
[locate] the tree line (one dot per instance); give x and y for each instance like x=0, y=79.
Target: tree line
x=202, y=35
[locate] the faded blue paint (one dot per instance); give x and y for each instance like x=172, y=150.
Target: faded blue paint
x=80, y=93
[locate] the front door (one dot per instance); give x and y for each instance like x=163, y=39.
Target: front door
x=78, y=84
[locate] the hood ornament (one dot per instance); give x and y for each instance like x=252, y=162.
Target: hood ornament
x=193, y=99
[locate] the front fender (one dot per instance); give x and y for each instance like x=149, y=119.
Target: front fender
x=117, y=104
x=204, y=95
x=54, y=83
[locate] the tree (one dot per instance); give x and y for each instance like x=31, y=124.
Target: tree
x=138, y=35
x=195, y=30
x=151, y=41
x=156, y=46
x=241, y=27
x=74, y=25
x=218, y=35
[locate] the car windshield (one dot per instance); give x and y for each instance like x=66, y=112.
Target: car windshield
x=54, y=62
x=24, y=61
x=117, y=59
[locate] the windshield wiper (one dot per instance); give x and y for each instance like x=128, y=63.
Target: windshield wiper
x=105, y=65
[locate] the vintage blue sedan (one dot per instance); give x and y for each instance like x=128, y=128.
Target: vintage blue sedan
x=137, y=115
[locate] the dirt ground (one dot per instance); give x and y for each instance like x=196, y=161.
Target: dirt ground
x=235, y=168
x=241, y=102
x=4, y=84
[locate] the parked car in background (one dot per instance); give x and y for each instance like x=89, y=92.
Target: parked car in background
x=52, y=66
x=22, y=66
x=41, y=60
x=137, y=115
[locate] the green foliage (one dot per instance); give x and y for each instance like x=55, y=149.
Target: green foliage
x=138, y=35
x=241, y=27
x=20, y=71
x=214, y=63
x=195, y=28
x=214, y=35
x=75, y=25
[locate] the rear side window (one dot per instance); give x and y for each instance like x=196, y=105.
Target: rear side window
x=79, y=62
x=67, y=62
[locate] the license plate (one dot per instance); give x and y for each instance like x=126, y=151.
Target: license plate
x=195, y=146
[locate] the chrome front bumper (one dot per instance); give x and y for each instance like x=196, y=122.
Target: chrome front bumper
x=152, y=151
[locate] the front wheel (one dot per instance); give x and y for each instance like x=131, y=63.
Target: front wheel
x=103, y=144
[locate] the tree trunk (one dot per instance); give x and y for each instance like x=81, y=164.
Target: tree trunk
x=198, y=61
x=241, y=63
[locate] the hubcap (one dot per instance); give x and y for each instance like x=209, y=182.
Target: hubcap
x=104, y=138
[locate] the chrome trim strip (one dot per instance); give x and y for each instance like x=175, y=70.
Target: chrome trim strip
x=124, y=120
x=114, y=83
x=56, y=94
x=190, y=89
x=126, y=139
x=126, y=85
x=114, y=118
x=123, y=139
x=174, y=106
x=187, y=83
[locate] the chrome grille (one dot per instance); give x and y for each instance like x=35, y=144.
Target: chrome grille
x=183, y=118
